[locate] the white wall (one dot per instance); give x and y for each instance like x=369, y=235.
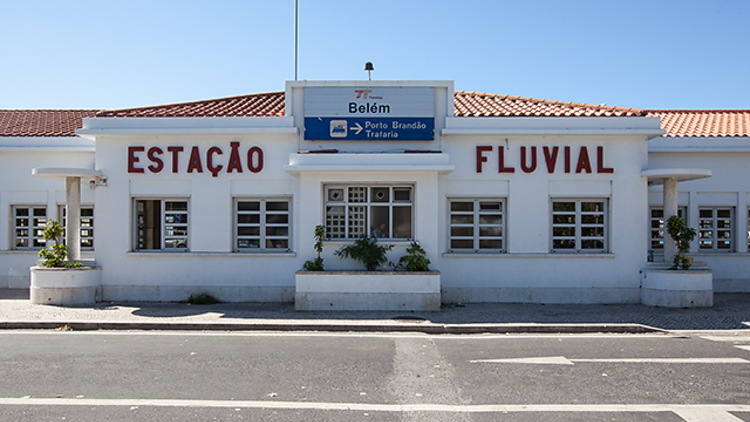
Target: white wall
x=728, y=186
x=19, y=187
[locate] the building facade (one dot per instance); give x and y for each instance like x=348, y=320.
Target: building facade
x=513, y=199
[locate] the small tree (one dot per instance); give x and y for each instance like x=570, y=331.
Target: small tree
x=56, y=255
x=317, y=263
x=682, y=235
x=415, y=259
x=367, y=251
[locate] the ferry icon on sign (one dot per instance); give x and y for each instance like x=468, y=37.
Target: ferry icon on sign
x=338, y=128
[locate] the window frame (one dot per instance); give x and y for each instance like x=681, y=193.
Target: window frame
x=350, y=231
x=714, y=239
x=682, y=211
x=578, y=225
x=262, y=224
x=163, y=238
x=476, y=225
x=61, y=212
x=34, y=238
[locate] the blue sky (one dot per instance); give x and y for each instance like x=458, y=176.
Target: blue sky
x=117, y=54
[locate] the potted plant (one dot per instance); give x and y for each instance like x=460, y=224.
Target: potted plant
x=367, y=251
x=58, y=281
x=413, y=288
x=682, y=235
x=678, y=286
x=317, y=263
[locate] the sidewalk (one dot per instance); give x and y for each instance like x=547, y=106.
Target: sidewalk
x=731, y=311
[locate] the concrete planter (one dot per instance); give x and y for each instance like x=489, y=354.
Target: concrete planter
x=677, y=288
x=367, y=291
x=65, y=286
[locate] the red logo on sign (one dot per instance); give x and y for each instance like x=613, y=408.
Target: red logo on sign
x=363, y=93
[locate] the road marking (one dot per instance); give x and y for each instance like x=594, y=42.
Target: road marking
x=561, y=360
x=691, y=412
x=743, y=347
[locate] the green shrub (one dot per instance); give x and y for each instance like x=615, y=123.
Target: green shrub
x=367, y=251
x=682, y=235
x=56, y=255
x=317, y=263
x=415, y=259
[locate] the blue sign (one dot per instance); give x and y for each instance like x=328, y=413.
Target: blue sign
x=369, y=128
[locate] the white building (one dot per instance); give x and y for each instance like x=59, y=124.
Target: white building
x=514, y=199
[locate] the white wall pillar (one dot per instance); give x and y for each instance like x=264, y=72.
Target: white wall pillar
x=670, y=209
x=73, y=217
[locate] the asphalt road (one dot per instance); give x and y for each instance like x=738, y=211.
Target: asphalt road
x=141, y=376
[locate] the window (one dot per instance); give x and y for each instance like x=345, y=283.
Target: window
x=658, y=226
x=380, y=211
x=715, y=229
x=161, y=224
x=477, y=225
x=87, y=226
x=28, y=224
x=579, y=226
x=261, y=225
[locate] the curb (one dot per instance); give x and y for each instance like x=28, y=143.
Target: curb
x=386, y=327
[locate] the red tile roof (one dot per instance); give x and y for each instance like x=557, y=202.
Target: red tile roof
x=704, y=123
x=42, y=123
x=475, y=104
x=677, y=123
x=254, y=105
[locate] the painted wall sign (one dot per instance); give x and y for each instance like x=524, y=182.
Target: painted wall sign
x=155, y=159
x=571, y=160
x=371, y=113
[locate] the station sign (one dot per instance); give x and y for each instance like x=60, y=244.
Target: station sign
x=369, y=114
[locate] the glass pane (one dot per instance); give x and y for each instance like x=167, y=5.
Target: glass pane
x=175, y=231
x=175, y=218
x=277, y=231
x=592, y=219
x=402, y=194
x=87, y=243
x=706, y=234
x=248, y=231
x=87, y=233
x=490, y=231
x=462, y=219
x=592, y=231
x=335, y=195
x=39, y=243
x=22, y=233
x=357, y=222
x=277, y=244
x=564, y=206
x=592, y=206
x=724, y=234
x=707, y=213
x=462, y=206
x=357, y=194
x=706, y=244
x=175, y=206
x=40, y=212
x=87, y=212
x=462, y=231
x=723, y=244
x=723, y=224
x=248, y=206
x=380, y=224
x=706, y=224
x=402, y=223
x=248, y=243
x=490, y=244
x=563, y=244
x=657, y=213
x=592, y=244
x=656, y=244
x=563, y=231
x=22, y=243
x=22, y=222
x=380, y=194
x=657, y=224
x=498, y=206
x=462, y=244
x=277, y=218
x=175, y=244
x=22, y=212
x=248, y=219
x=724, y=213
x=490, y=219
x=335, y=222
x=277, y=206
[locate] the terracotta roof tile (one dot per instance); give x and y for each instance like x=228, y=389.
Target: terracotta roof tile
x=42, y=123
x=254, y=105
x=476, y=104
x=704, y=123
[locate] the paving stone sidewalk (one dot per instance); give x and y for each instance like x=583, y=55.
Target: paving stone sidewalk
x=730, y=312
